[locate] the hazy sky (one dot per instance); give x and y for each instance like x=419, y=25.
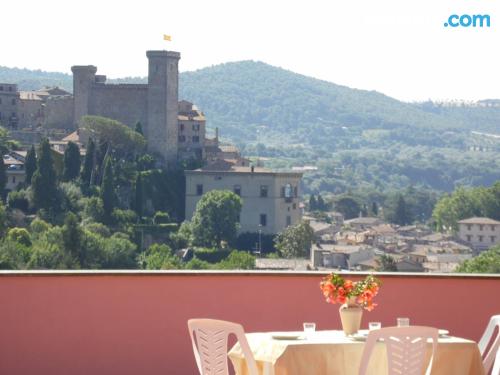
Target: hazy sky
x=398, y=47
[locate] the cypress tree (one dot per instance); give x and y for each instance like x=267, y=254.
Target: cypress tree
x=3, y=178
x=72, y=237
x=374, y=208
x=44, y=181
x=30, y=164
x=401, y=214
x=138, y=196
x=88, y=164
x=321, y=203
x=312, y=203
x=138, y=128
x=108, y=194
x=71, y=162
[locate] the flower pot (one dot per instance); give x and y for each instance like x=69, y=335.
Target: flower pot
x=350, y=316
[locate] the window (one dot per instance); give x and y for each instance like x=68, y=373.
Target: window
x=288, y=220
x=0, y=115
x=237, y=190
x=480, y=238
x=1, y=88
x=182, y=127
x=263, y=220
x=0, y=100
x=10, y=88
x=469, y=238
x=263, y=191
x=13, y=179
x=492, y=228
x=295, y=192
x=196, y=127
x=492, y=238
x=469, y=227
x=13, y=101
x=182, y=138
x=294, y=206
x=196, y=139
x=481, y=226
x=199, y=189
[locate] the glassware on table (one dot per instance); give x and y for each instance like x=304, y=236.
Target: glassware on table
x=374, y=325
x=309, y=328
x=403, y=322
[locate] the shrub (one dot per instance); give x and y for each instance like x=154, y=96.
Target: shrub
x=18, y=199
x=211, y=255
x=161, y=217
x=20, y=235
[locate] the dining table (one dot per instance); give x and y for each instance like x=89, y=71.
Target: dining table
x=335, y=353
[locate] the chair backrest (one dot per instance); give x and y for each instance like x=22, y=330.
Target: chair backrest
x=406, y=348
x=209, y=339
x=496, y=366
x=489, y=355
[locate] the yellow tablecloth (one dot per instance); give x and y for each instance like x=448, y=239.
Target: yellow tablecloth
x=332, y=353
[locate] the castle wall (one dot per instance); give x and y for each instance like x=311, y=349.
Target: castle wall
x=58, y=113
x=126, y=103
x=30, y=113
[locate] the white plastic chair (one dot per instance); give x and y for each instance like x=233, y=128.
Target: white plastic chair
x=406, y=349
x=210, y=346
x=496, y=366
x=488, y=357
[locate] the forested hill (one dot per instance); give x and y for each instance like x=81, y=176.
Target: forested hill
x=358, y=138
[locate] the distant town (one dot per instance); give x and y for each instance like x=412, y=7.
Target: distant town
x=125, y=176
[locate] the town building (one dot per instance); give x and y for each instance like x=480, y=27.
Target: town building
x=479, y=232
x=270, y=199
x=15, y=172
x=9, y=100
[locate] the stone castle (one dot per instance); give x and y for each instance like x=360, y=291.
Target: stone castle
x=174, y=130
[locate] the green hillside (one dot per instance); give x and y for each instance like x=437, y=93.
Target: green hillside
x=360, y=140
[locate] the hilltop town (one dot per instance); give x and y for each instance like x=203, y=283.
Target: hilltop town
x=131, y=166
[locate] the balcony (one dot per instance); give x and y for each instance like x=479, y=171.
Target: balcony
x=94, y=322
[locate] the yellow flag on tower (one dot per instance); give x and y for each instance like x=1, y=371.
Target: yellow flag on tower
x=167, y=37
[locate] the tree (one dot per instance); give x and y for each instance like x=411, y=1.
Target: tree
x=108, y=194
x=237, y=260
x=348, y=206
x=30, y=164
x=486, y=262
x=401, y=212
x=44, y=181
x=71, y=162
x=295, y=241
x=321, y=203
x=138, y=128
x=138, y=202
x=386, y=263
x=3, y=178
x=374, y=209
x=216, y=218
x=88, y=164
x=120, y=137
x=312, y=203
x=72, y=237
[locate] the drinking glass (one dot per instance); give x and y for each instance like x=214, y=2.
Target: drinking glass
x=374, y=325
x=309, y=328
x=403, y=322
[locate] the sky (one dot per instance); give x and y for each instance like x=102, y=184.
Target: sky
x=398, y=47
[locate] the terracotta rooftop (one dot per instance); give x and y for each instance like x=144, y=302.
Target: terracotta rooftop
x=479, y=220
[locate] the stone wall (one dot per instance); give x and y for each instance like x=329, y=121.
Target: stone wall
x=58, y=113
x=126, y=103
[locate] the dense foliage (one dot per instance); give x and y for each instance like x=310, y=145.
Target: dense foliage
x=486, y=262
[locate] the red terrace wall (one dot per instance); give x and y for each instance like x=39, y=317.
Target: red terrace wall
x=135, y=323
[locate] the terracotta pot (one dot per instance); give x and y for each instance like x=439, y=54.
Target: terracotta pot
x=350, y=315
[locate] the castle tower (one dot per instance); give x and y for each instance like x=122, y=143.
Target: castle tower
x=163, y=85
x=83, y=79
